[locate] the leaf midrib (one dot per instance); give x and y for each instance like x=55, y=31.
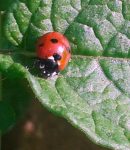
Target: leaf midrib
x=31, y=54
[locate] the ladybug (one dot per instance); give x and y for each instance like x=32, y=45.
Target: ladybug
x=53, y=53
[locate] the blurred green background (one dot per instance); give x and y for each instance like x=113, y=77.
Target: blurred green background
x=41, y=130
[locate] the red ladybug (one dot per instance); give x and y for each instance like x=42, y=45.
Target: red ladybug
x=53, y=52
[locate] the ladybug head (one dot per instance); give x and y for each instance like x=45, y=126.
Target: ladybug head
x=48, y=67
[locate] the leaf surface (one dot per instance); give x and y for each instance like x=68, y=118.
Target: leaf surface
x=93, y=93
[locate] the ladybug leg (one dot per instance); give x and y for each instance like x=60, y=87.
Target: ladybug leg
x=55, y=73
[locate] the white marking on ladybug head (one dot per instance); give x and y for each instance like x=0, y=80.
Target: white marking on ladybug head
x=48, y=74
x=51, y=57
x=44, y=71
x=42, y=66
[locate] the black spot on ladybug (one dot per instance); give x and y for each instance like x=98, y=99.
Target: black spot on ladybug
x=54, y=40
x=57, y=57
x=40, y=45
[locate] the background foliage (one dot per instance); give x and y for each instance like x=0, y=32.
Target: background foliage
x=93, y=93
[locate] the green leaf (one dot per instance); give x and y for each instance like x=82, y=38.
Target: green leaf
x=91, y=97
x=15, y=93
x=4, y=4
x=93, y=93
x=7, y=116
x=93, y=28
